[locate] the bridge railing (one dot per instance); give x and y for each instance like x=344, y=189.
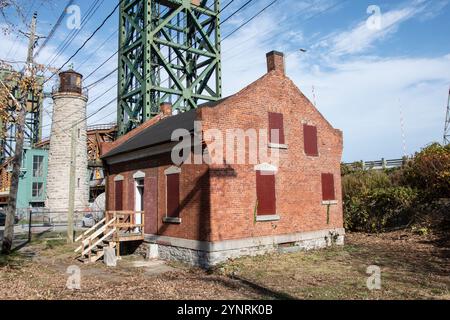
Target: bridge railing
x=378, y=164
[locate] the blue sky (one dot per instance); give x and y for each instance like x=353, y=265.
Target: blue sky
x=363, y=78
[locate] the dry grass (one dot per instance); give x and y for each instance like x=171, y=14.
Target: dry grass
x=412, y=268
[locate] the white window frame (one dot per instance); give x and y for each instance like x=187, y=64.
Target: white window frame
x=139, y=181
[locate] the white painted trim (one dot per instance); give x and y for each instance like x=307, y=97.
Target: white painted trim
x=242, y=243
x=172, y=220
x=168, y=172
x=119, y=178
x=139, y=175
x=268, y=218
x=278, y=146
x=172, y=170
x=266, y=167
x=138, y=199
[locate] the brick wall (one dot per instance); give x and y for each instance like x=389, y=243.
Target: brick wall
x=218, y=202
x=298, y=181
x=194, y=196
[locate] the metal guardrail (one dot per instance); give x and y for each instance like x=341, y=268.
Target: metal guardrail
x=68, y=89
x=378, y=164
x=106, y=126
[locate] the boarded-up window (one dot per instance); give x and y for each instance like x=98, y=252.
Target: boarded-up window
x=173, y=195
x=276, y=128
x=328, y=193
x=310, y=137
x=265, y=189
x=118, y=195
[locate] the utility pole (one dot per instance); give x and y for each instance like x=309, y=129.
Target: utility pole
x=447, y=122
x=73, y=166
x=18, y=154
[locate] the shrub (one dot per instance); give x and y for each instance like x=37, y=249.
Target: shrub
x=377, y=200
x=429, y=171
x=378, y=209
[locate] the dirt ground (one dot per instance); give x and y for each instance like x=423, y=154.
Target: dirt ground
x=412, y=267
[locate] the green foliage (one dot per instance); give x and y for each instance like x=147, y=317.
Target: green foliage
x=430, y=172
x=378, y=200
x=377, y=209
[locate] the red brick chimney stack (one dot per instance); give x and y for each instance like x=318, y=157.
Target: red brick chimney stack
x=275, y=62
x=166, y=109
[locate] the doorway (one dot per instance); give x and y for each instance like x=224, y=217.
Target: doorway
x=139, y=200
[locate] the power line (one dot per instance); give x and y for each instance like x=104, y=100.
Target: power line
x=75, y=32
x=86, y=41
x=55, y=27
x=101, y=79
x=243, y=25
x=238, y=28
x=27, y=15
x=226, y=6
x=184, y=18
x=268, y=40
x=99, y=47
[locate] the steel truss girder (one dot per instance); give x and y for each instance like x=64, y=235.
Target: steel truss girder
x=169, y=51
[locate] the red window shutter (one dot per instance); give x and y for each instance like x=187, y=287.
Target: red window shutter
x=265, y=189
x=328, y=193
x=310, y=137
x=118, y=196
x=276, y=122
x=173, y=195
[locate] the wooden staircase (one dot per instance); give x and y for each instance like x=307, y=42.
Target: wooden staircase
x=116, y=227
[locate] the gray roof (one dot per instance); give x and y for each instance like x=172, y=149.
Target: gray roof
x=156, y=134
x=161, y=131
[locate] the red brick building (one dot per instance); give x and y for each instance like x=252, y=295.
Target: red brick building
x=206, y=213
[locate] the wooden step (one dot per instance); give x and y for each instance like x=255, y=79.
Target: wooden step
x=98, y=256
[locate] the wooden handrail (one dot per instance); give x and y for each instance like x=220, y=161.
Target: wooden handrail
x=91, y=246
x=85, y=242
x=90, y=230
x=117, y=224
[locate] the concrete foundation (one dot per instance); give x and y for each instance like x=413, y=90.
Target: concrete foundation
x=209, y=254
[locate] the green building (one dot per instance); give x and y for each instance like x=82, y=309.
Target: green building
x=33, y=179
x=32, y=182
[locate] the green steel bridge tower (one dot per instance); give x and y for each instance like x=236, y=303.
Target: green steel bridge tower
x=169, y=51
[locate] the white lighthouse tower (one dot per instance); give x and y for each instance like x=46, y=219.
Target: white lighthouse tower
x=68, y=121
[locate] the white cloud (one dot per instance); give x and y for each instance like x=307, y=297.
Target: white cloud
x=363, y=97
x=361, y=37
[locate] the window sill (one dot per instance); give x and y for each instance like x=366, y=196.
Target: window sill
x=330, y=203
x=172, y=220
x=278, y=146
x=268, y=218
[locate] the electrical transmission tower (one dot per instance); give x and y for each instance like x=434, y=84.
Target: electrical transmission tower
x=169, y=51
x=447, y=122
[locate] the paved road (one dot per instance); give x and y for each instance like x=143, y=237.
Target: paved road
x=17, y=230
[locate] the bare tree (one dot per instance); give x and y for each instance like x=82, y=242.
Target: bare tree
x=10, y=9
x=26, y=83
